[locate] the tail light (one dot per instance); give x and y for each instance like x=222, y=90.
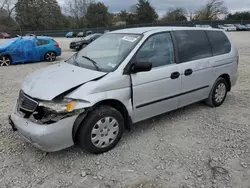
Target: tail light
x=57, y=45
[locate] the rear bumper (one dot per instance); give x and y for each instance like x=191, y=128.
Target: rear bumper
x=49, y=138
x=234, y=79
x=59, y=52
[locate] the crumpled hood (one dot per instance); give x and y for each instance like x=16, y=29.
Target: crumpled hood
x=52, y=81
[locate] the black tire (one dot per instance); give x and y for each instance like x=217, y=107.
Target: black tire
x=84, y=134
x=5, y=60
x=50, y=56
x=211, y=101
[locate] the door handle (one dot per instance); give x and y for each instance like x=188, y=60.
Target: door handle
x=188, y=72
x=175, y=75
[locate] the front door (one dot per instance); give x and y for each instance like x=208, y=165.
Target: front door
x=18, y=51
x=156, y=91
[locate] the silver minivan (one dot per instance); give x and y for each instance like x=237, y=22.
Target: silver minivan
x=123, y=77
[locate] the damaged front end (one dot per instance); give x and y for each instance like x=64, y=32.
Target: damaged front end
x=47, y=112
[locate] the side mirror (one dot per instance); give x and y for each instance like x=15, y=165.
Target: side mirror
x=141, y=67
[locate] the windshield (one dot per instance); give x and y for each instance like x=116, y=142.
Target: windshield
x=106, y=53
x=5, y=43
x=89, y=37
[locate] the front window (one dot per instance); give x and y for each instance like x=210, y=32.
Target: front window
x=106, y=53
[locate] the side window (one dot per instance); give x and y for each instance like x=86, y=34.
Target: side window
x=41, y=42
x=219, y=42
x=158, y=50
x=192, y=45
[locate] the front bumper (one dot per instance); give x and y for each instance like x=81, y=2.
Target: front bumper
x=74, y=46
x=49, y=138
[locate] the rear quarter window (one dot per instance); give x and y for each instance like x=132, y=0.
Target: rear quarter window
x=41, y=42
x=219, y=42
x=192, y=45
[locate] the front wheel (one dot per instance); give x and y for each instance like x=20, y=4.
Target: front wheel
x=5, y=60
x=101, y=130
x=50, y=56
x=218, y=93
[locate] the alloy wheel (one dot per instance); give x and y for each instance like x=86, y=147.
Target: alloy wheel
x=50, y=56
x=4, y=61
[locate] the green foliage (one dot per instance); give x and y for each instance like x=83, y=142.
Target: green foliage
x=97, y=15
x=178, y=14
x=39, y=14
x=239, y=16
x=145, y=12
x=129, y=18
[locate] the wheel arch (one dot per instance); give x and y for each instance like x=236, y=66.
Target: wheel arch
x=118, y=105
x=7, y=54
x=227, y=78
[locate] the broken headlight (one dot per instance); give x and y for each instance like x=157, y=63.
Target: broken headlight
x=65, y=106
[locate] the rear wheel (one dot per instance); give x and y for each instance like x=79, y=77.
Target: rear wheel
x=218, y=93
x=5, y=60
x=50, y=56
x=101, y=130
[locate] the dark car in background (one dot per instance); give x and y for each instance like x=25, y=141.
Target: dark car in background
x=4, y=35
x=80, y=44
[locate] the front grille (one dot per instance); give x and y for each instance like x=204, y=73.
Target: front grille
x=26, y=103
x=72, y=45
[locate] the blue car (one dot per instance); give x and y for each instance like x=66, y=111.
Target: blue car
x=28, y=49
x=70, y=35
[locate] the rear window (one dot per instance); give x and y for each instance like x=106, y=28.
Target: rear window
x=192, y=45
x=219, y=42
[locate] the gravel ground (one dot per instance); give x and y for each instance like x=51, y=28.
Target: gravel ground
x=196, y=146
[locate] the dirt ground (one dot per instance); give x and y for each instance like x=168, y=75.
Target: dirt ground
x=196, y=146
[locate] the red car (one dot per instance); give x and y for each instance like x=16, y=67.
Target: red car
x=4, y=35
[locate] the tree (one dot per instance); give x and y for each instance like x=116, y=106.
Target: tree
x=97, y=15
x=6, y=22
x=145, y=12
x=77, y=10
x=132, y=9
x=39, y=14
x=211, y=11
x=123, y=15
x=129, y=18
x=8, y=5
x=177, y=14
x=239, y=16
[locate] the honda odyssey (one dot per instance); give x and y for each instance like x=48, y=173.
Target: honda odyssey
x=123, y=77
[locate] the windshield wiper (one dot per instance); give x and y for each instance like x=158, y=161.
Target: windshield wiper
x=92, y=61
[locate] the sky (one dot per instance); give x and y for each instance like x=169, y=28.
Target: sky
x=162, y=6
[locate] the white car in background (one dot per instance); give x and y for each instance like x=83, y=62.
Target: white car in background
x=230, y=27
x=203, y=26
